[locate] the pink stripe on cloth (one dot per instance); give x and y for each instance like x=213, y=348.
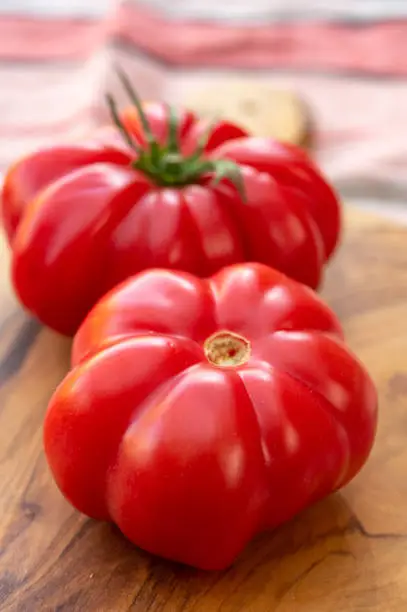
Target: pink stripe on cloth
x=378, y=48
x=26, y=38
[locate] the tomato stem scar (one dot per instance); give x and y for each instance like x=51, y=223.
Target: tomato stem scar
x=227, y=349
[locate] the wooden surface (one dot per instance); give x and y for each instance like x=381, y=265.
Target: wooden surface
x=348, y=553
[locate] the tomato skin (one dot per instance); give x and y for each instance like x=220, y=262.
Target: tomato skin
x=80, y=218
x=291, y=167
x=191, y=458
x=29, y=176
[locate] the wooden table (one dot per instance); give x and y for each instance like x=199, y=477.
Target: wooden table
x=346, y=554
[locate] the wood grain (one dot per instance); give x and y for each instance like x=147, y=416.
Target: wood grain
x=347, y=553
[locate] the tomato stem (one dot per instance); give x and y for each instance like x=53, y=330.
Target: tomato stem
x=117, y=121
x=203, y=141
x=172, y=144
x=137, y=103
x=165, y=164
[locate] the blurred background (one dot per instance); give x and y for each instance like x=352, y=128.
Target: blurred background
x=330, y=76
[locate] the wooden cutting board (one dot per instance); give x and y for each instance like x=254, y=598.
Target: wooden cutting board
x=347, y=553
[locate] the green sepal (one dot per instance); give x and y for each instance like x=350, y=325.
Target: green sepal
x=165, y=165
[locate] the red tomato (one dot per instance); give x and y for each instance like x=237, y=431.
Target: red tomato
x=199, y=412
x=81, y=218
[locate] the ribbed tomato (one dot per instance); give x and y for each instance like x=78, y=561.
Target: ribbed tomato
x=199, y=412
x=175, y=193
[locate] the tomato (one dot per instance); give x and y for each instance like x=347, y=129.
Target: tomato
x=176, y=192
x=200, y=412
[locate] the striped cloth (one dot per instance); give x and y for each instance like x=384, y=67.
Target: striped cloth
x=348, y=61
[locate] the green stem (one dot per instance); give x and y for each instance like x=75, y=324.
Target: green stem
x=164, y=164
x=149, y=136
x=172, y=144
x=117, y=121
x=203, y=141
